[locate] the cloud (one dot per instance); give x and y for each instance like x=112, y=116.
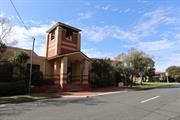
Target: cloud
x=156, y=45
x=98, y=33
x=24, y=39
x=127, y=10
x=107, y=7
x=3, y=15
x=150, y=21
x=115, y=9
x=84, y=16
x=177, y=36
x=95, y=53
x=147, y=25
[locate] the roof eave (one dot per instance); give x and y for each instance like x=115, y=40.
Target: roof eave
x=64, y=25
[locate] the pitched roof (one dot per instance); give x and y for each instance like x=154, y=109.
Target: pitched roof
x=71, y=54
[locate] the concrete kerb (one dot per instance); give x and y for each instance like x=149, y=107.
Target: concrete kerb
x=94, y=95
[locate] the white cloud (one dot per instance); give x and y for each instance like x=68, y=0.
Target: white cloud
x=24, y=39
x=156, y=45
x=115, y=9
x=84, y=16
x=95, y=53
x=98, y=33
x=151, y=20
x=177, y=36
x=107, y=7
x=146, y=26
x=127, y=10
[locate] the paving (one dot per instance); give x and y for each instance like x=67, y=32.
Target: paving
x=155, y=104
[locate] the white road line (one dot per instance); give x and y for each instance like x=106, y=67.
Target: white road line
x=149, y=99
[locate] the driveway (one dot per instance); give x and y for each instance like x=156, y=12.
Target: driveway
x=155, y=104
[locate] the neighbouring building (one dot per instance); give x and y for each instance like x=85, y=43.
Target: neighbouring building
x=63, y=62
x=159, y=77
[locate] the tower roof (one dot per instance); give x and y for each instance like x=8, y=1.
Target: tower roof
x=63, y=25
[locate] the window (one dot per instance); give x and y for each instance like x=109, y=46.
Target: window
x=69, y=33
x=52, y=34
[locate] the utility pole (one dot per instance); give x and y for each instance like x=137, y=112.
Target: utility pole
x=167, y=78
x=30, y=74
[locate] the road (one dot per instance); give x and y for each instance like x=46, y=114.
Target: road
x=155, y=104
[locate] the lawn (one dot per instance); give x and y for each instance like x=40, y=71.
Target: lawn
x=149, y=85
x=24, y=98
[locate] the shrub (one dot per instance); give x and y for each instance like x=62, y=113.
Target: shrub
x=103, y=74
x=6, y=71
x=48, y=82
x=37, y=79
x=13, y=88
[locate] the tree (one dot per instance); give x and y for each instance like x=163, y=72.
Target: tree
x=5, y=29
x=173, y=71
x=2, y=49
x=19, y=60
x=102, y=73
x=136, y=64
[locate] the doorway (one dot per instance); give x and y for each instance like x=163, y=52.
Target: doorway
x=69, y=73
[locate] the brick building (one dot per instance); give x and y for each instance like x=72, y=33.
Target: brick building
x=64, y=62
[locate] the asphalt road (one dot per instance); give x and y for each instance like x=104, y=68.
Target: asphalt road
x=156, y=104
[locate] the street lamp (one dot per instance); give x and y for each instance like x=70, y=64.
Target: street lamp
x=30, y=74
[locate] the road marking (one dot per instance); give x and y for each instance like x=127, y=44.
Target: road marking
x=149, y=99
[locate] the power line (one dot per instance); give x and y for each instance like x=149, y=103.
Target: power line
x=20, y=18
x=30, y=74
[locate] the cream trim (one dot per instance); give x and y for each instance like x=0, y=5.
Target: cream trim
x=85, y=82
x=52, y=44
x=52, y=48
x=67, y=43
x=69, y=48
x=85, y=77
x=56, y=38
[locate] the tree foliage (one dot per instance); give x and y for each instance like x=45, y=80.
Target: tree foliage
x=2, y=49
x=19, y=60
x=135, y=64
x=5, y=29
x=173, y=71
x=103, y=73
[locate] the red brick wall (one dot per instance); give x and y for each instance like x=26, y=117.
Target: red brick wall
x=73, y=42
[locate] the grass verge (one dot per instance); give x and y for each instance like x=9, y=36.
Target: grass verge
x=149, y=85
x=24, y=98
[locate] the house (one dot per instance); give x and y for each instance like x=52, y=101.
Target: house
x=64, y=62
x=159, y=77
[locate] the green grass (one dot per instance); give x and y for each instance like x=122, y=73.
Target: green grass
x=149, y=85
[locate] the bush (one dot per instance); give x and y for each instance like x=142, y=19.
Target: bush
x=103, y=74
x=48, y=82
x=13, y=88
x=6, y=71
x=37, y=79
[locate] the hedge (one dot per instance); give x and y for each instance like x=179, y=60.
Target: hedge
x=6, y=71
x=13, y=88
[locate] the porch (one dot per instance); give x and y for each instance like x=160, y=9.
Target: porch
x=70, y=71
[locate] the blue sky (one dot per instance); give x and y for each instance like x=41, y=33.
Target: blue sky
x=109, y=27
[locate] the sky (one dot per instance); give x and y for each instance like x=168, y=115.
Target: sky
x=109, y=27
